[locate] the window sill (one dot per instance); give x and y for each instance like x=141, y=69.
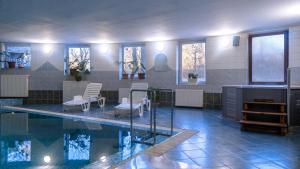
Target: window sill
x=202, y=83
x=135, y=79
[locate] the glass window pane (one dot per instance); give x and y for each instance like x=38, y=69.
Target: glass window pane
x=268, y=58
x=131, y=59
x=19, y=53
x=79, y=55
x=193, y=61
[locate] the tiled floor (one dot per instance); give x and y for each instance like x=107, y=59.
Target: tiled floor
x=219, y=143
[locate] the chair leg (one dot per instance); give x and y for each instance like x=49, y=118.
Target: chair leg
x=149, y=105
x=86, y=106
x=101, y=102
x=141, y=110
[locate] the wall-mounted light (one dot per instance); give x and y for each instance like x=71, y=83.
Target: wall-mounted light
x=292, y=10
x=160, y=46
x=103, y=158
x=104, y=48
x=47, y=159
x=47, y=48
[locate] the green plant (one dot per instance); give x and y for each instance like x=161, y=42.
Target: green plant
x=79, y=64
x=193, y=76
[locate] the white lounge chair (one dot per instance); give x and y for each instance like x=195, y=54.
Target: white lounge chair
x=91, y=94
x=138, y=100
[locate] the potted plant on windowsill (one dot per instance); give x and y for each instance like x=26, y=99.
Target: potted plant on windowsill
x=192, y=78
x=21, y=60
x=124, y=75
x=123, y=65
x=79, y=68
x=11, y=60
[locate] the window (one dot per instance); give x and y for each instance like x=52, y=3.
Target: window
x=192, y=61
x=78, y=58
x=20, y=54
x=132, y=60
x=268, y=58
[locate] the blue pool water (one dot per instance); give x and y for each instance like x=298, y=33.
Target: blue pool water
x=32, y=141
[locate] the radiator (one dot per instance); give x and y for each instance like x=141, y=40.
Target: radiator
x=14, y=85
x=123, y=92
x=189, y=98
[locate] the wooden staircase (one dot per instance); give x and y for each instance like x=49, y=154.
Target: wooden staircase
x=265, y=116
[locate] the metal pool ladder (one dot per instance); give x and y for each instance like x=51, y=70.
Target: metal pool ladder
x=153, y=118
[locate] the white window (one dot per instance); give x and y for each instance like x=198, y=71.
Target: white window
x=192, y=62
x=20, y=54
x=132, y=60
x=78, y=58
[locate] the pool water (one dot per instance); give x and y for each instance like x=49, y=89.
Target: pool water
x=33, y=141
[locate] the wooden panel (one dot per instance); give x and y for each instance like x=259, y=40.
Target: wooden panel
x=232, y=102
x=295, y=108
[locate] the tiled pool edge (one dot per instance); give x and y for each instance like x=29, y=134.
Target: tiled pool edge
x=156, y=150
x=163, y=147
x=84, y=118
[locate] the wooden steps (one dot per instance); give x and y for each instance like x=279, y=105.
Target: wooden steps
x=265, y=113
x=262, y=115
x=266, y=103
x=263, y=123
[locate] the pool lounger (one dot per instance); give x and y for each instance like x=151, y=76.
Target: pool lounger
x=91, y=94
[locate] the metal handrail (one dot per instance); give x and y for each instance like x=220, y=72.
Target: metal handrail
x=172, y=106
x=153, y=108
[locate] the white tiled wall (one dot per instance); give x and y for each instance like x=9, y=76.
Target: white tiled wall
x=294, y=45
x=221, y=54
x=225, y=64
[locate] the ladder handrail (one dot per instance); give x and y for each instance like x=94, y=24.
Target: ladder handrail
x=152, y=112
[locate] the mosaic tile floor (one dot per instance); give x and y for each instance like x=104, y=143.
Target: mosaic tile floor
x=219, y=143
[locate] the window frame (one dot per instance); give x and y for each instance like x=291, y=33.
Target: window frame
x=286, y=55
x=66, y=63
x=143, y=57
x=7, y=45
x=179, y=61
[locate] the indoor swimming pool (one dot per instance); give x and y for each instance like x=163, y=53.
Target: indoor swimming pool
x=31, y=140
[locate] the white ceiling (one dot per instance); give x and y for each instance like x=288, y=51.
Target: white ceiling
x=96, y=21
